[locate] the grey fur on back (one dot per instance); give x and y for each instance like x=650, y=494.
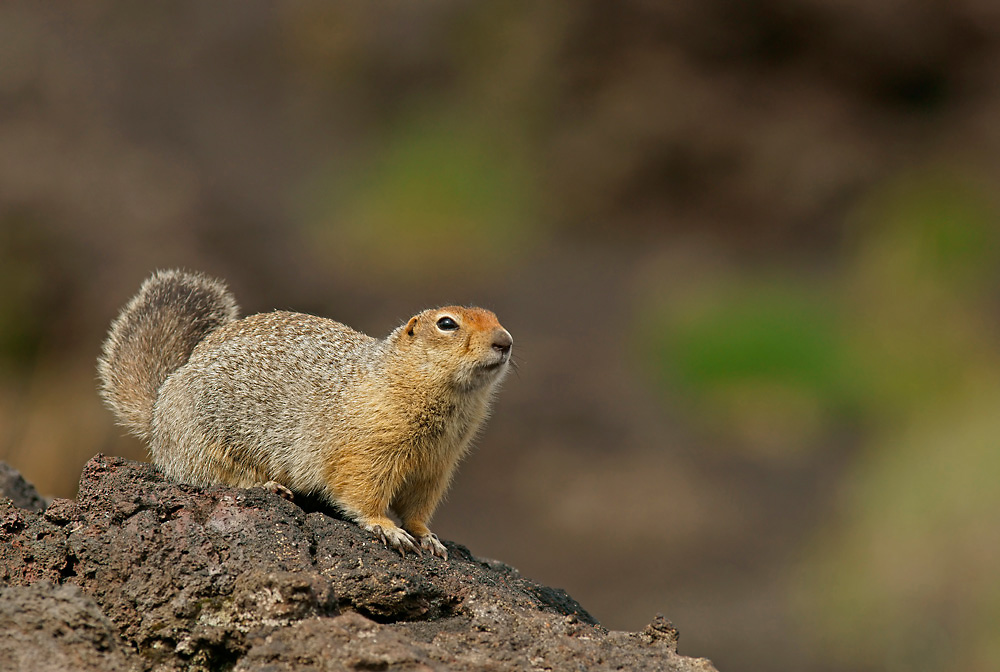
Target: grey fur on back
x=153, y=336
x=256, y=397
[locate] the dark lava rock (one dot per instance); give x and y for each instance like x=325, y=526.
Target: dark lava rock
x=145, y=574
x=50, y=628
x=18, y=490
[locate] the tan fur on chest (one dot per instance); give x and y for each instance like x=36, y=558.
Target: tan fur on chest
x=401, y=445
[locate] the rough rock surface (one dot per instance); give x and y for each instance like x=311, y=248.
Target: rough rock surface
x=50, y=628
x=143, y=574
x=18, y=490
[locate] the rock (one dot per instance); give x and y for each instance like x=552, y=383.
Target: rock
x=50, y=628
x=18, y=490
x=185, y=578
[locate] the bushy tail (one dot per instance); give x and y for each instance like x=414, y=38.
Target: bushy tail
x=153, y=336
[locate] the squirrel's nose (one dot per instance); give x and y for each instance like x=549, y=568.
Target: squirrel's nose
x=502, y=341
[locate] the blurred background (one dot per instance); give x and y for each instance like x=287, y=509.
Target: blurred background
x=749, y=253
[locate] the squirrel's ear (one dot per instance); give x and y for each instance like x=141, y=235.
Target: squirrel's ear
x=411, y=325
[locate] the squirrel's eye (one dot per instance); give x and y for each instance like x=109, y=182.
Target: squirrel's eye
x=447, y=324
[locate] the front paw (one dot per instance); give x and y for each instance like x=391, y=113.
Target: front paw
x=430, y=542
x=395, y=537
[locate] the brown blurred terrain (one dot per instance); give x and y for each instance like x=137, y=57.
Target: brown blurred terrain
x=749, y=254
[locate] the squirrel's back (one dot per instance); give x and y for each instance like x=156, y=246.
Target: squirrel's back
x=258, y=390
x=153, y=336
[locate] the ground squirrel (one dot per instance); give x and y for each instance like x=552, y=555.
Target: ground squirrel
x=302, y=403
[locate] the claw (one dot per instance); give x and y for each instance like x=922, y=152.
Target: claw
x=395, y=538
x=433, y=545
x=278, y=489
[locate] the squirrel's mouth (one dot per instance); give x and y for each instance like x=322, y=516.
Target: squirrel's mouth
x=485, y=372
x=495, y=364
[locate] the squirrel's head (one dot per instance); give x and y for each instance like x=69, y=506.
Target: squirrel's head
x=466, y=346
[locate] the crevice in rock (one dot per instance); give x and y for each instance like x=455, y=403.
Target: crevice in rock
x=68, y=570
x=414, y=609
